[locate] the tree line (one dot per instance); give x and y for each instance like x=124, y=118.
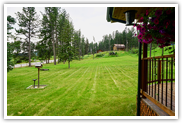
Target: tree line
x=58, y=38
x=55, y=31
x=126, y=37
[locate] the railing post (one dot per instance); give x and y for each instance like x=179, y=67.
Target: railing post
x=159, y=71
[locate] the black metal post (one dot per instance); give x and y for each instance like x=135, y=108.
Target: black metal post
x=38, y=77
x=139, y=80
x=34, y=82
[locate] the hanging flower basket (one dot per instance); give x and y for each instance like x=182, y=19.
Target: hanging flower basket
x=157, y=26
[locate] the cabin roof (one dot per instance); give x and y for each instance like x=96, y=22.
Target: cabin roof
x=119, y=45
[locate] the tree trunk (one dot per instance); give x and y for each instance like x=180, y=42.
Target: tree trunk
x=79, y=53
x=54, y=52
x=29, y=47
x=29, y=53
x=68, y=64
x=56, y=42
x=126, y=45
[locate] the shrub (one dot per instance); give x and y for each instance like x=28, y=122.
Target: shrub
x=113, y=53
x=99, y=55
x=134, y=51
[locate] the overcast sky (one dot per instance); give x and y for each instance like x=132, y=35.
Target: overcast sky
x=90, y=20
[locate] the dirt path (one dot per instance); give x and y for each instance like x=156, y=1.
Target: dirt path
x=32, y=63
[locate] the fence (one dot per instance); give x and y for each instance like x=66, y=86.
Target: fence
x=158, y=81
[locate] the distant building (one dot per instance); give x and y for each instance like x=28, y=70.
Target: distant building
x=117, y=47
x=98, y=51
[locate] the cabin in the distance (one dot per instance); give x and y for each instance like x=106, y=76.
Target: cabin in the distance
x=98, y=51
x=118, y=47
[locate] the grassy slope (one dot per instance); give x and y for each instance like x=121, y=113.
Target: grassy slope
x=159, y=52
x=99, y=87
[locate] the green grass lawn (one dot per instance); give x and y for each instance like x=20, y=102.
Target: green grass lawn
x=99, y=87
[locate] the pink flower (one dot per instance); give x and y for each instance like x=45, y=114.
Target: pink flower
x=141, y=19
x=147, y=13
x=149, y=26
x=152, y=19
x=148, y=36
x=167, y=24
x=134, y=25
x=150, y=40
x=168, y=12
x=135, y=34
x=161, y=41
x=143, y=29
x=165, y=34
x=162, y=31
x=158, y=13
x=145, y=41
x=138, y=27
x=156, y=21
x=140, y=36
x=155, y=28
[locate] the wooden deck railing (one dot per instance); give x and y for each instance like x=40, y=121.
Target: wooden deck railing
x=158, y=81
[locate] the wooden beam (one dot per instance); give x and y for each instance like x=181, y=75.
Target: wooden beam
x=159, y=57
x=164, y=108
x=144, y=50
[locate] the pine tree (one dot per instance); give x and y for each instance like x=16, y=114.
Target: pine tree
x=46, y=39
x=67, y=36
x=10, y=64
x=79, y=43
x=28, y=26
x=86, y=46
x=61, y=21
x=53, y=14
x=75, y=44
x=82, y=46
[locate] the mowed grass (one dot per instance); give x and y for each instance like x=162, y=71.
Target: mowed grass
x=99, y=87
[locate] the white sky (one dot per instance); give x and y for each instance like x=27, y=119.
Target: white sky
x=90, y=20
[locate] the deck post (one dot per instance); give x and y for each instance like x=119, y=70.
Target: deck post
x=139, y=80
x=144, y=69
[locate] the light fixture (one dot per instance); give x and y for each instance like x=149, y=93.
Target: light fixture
x=130, y=16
